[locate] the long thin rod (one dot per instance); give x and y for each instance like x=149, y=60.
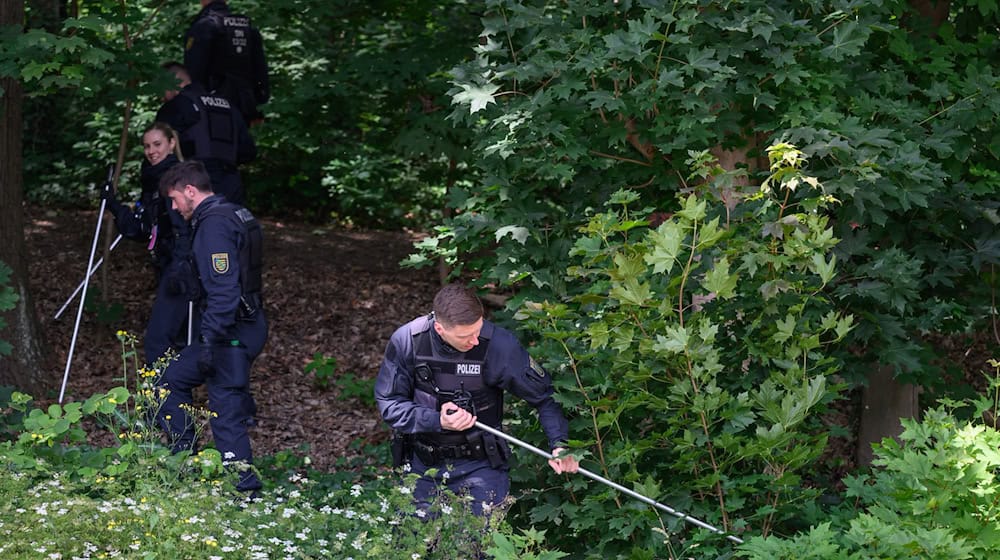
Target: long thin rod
x=616, y=486
x=190, y=321
x=79, y=311
x=97, y=265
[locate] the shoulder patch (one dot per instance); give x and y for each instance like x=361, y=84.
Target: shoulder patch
x=220, y=263
x=189, y=44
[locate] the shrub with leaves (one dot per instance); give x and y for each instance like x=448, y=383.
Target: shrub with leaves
x=934, y=494
x=896, y=104
x=695, y=356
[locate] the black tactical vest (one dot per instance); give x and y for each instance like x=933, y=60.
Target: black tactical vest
x=232, y=72
x=441, y=378
x=251, y=254
x=214, y=136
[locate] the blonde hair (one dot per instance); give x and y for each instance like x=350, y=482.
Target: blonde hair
x=171, y=134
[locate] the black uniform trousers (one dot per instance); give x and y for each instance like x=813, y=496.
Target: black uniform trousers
x=229, y=397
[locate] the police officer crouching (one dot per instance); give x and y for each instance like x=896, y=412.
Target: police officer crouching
x=226, y=250
x=443, y=372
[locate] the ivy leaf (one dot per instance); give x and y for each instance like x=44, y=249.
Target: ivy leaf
x=478, y=97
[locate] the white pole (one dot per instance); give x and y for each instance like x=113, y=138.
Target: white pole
x=97, y=265
x=86, y=282
x=619, y=487
x=190, y=320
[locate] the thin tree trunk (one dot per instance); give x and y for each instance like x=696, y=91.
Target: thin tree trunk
x=24, y=367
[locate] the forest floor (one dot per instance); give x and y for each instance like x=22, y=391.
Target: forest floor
x=334, y=292
x=339, y=293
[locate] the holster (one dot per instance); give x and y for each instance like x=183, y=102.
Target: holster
x=250, y=304
x=496, y=450
x=401, y=448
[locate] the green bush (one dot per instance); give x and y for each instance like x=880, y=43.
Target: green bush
x=694, y=358
x=934, y=494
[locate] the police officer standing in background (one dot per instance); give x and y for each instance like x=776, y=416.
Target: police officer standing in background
x=225, y=54
x=211, y=131
x=226, y=250
x=443, y=372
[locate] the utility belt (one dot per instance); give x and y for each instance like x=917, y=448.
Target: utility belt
x=432, y=452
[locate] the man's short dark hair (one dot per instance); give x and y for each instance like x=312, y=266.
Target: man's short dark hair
x=183, y=174
x=456, y=304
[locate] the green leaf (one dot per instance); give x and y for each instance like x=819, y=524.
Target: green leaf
x=694, y=209
x=666, y=243
x=786, y=328
x=720, y=281
x=631, y=291
x=825, y=270
x=674, y=342
x=519, y=233
x=848, y=39
x=478, y=97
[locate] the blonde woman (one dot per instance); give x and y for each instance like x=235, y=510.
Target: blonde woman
x=167, y=237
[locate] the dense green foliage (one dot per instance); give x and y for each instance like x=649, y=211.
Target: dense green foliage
x=713, y=217
x=571, y=102
x=696, y=362
x=355, y=130
x=935, y=496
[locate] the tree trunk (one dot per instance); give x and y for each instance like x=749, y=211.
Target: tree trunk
x=883, y=403
x=24, y=367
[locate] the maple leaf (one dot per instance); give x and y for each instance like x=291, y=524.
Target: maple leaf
x=478, y=97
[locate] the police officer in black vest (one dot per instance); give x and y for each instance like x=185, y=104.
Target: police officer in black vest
x=443, y=372
x=225, y=54
x=211, y=131
x=226, y=249
x=168, y=240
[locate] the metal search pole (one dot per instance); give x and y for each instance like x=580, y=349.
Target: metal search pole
x=619, y=487
x=97, y=265
x=86, y=282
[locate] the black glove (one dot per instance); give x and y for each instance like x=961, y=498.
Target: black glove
x=108, y=193
x=205, y=360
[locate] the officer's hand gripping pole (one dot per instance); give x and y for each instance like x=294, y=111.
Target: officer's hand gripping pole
x=86, y=282
x=97, y=265
x=619, y=487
